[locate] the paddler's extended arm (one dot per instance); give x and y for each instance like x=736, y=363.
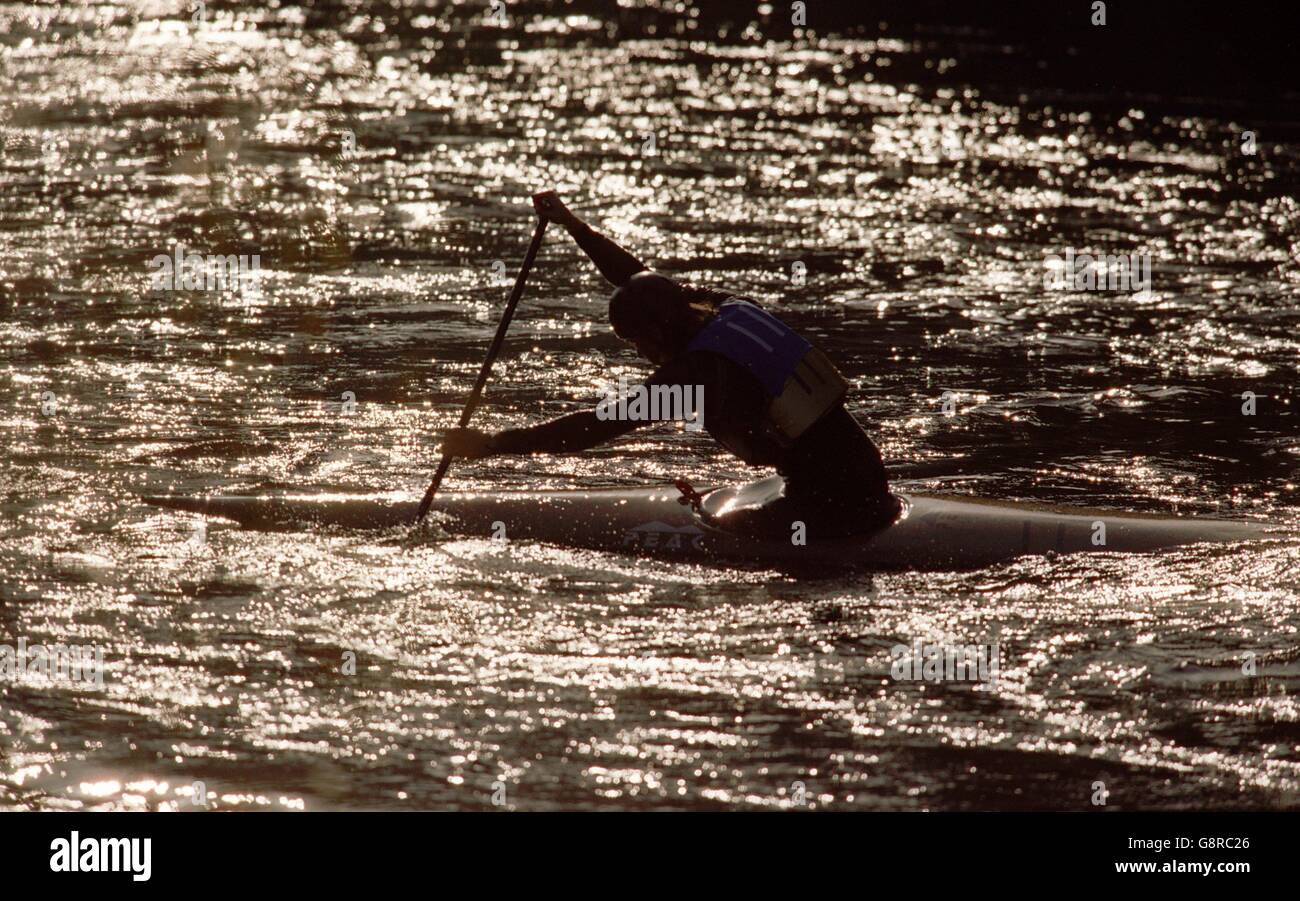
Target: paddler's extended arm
x=566, y=435
x=615, y=263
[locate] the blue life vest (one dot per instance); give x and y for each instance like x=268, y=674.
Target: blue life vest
x=799, y=380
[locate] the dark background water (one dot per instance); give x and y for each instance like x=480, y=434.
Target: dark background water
x=921, y=165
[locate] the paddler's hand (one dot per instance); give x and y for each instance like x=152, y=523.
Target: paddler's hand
x=468, y=444
x=550, y=207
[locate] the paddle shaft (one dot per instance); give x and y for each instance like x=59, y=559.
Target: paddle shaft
x=486, y=368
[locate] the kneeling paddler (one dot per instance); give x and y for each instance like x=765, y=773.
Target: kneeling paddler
x=770, y=397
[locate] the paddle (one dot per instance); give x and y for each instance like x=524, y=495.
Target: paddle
x=486, y=368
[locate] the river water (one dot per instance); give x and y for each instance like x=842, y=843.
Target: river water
x=378, y=163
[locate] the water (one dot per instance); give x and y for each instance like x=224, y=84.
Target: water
x=921, y=209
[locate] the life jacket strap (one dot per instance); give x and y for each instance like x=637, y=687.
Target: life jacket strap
x=811, y=390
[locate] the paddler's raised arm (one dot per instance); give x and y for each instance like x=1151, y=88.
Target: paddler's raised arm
x=615, y=263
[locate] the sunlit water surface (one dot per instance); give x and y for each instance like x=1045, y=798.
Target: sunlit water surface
x=540, y=677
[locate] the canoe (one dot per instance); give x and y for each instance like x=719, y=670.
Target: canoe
x=932, y=532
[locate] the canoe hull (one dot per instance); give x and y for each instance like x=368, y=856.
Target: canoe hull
x=933, y=532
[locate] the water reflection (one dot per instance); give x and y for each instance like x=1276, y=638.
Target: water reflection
x=379, y=162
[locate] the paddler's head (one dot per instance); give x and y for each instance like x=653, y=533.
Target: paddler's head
x=657, y=315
